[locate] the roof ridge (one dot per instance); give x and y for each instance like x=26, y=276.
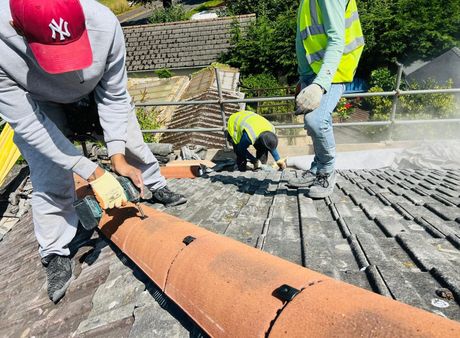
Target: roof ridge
x=190, y=22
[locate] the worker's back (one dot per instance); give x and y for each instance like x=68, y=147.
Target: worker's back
x=252, y=123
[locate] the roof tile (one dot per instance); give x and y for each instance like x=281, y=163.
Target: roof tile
x=199, y=42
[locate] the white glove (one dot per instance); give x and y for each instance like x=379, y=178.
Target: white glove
x=309, y=99
x=108, y=191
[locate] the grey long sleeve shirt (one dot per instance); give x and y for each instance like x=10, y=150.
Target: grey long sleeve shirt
x=23, y=83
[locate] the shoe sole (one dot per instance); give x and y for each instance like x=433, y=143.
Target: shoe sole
x=319, y=195
x=299, y=185
x=179, y=202
x=58, y=294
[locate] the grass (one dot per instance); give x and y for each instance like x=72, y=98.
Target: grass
x=117, y=6
x=206, y=6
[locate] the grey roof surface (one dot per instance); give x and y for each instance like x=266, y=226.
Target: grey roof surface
x=442, y=68
x=178, y=45
x=396, y=232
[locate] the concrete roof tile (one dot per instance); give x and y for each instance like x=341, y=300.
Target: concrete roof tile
x=369, y=244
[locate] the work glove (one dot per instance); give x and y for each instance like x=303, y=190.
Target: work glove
x=108, y=191
x=281, y=164
x=309, y=99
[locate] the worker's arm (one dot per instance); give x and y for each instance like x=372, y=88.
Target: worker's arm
x=333, y=12
x=242, y=148
x=35, y=128
x=114, y=105
x=112, y=97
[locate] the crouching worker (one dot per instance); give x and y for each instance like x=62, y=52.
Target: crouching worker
x=246, y=128
x=54, y=54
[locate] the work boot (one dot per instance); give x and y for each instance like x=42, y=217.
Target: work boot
x=305, y=180
x=323, y=186
x=59, y=274
x=167, y=197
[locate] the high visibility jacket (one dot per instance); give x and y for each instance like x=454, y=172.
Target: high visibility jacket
x=252, y=123
x=310, y=21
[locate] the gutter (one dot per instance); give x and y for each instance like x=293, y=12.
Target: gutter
x=232, y=290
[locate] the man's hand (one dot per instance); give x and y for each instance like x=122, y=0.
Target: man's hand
x=280, y=164
x=122, y=168
x=309, y=99
x=107, y=190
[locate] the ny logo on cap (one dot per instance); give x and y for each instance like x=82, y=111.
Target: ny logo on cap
x=62, y=29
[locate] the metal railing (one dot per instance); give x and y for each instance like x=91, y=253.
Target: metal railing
x=221, y=102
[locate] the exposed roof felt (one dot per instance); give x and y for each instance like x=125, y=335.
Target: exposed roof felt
x=179, y=45
x=396, y=232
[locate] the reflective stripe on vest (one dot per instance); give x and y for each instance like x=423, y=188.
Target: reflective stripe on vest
x=250, y=122
x=315, y=39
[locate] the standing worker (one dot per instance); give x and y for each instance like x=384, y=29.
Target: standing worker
x=329, y=44
x=246, y=128
x=55, y=54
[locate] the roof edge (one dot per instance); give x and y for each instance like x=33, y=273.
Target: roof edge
x=191, y=22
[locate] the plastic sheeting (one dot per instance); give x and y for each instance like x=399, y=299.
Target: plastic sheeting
x=427, y=155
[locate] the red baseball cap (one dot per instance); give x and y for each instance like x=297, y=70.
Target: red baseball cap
x=56, y=33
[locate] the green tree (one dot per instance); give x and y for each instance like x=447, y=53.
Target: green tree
x=268, y=46
x=407, y=30
x=401, y=30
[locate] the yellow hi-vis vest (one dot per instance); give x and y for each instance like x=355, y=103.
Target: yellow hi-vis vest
x=252, y=123
x=310, y=21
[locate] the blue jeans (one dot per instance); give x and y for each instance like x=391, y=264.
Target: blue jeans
x=318, y=124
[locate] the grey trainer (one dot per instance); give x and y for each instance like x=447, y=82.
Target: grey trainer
x=305, y=180
x=59, y=273
x=167, y=197
x=323, y=186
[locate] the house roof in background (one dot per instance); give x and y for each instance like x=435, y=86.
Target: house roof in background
x=203, y=86
x=396, y=232
x=442, y=68
x=179, y=45
x=156, y=89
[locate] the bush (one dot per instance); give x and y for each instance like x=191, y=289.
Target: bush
x=427, y=106
x=164, y=73
x=171, y=14
x=261, y=85
x=149, y=120
x=383, y=78
x=424, y=106
x=264, y=85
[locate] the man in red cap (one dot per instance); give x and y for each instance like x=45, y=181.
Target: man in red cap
x=54, y=54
